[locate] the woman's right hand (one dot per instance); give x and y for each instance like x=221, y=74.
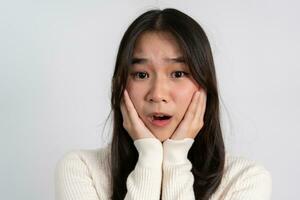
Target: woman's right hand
x=131, y=120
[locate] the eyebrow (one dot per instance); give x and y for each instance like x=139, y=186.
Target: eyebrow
x=136, y=60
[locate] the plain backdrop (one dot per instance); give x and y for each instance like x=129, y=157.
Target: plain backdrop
x=57, y=59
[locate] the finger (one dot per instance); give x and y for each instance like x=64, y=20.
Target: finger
x=187, y=121
x=202, y=104
x=130, y=107
x=137, y=127
x=122, y=107
x=124, y=110
x=192, y=109
x=190, y=113
x=198, y=108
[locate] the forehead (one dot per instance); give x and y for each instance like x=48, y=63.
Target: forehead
x=159, y=43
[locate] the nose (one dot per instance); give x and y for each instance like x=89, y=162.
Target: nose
x=158, y=91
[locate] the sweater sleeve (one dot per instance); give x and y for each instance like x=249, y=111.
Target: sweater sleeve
x=144, y=182
x=178, y=179
x=73, y=180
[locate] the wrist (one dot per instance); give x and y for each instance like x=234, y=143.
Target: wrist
x=150, y=152
x=175, y=151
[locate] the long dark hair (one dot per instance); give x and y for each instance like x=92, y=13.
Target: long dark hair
x=207, y=153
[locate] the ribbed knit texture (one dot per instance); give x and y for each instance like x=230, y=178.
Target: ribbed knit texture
x=177, y=169
x=162, y=170
x=145, y=179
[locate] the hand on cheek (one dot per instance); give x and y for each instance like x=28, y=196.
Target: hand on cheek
x=131, y=121
x=192, y=121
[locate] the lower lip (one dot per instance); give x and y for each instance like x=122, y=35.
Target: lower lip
x=160, y=123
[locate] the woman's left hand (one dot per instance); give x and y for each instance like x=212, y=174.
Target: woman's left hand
x=192, y=121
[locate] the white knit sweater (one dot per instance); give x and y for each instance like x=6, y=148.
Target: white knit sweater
x=162, y=170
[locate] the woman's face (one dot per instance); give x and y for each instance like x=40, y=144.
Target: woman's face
x=158, y=83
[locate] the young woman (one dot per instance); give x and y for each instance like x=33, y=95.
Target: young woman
x=167, y=141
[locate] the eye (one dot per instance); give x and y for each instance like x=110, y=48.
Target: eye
x=179, y=74
x=139, y=75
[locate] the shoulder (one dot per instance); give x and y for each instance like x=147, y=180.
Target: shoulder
x=84, y=159
x=245, y=179
x=241, y=166
x=88, y=157
x=85, y=169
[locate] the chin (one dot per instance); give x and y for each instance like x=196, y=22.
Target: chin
x=163, y=134
x=161, y=137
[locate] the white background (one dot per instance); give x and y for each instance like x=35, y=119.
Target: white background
x=57, y=59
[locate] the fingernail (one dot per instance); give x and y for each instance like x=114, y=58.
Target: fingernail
x=199, y=94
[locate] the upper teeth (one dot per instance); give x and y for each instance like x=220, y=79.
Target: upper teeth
x=158, y=115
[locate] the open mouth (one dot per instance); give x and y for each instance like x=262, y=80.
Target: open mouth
x=160, y=120
x=161, y=117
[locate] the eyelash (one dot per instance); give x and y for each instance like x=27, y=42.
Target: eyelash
x=134, y=74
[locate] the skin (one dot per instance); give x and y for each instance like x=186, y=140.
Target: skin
x=156, y=84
